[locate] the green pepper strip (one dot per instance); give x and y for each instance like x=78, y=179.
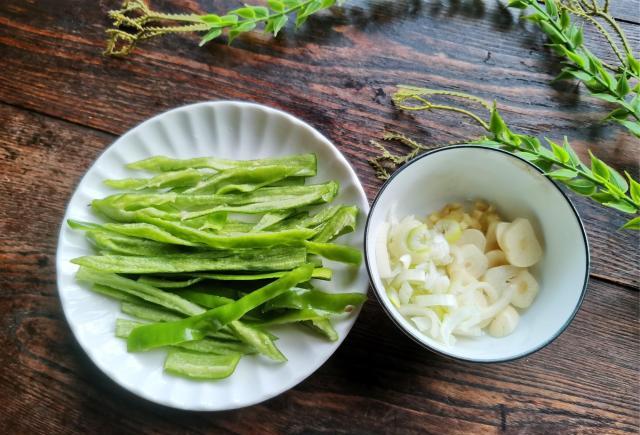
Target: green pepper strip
x=344, y=221
x=292, y=316
x=134, y=288
x=206, y=345
x=167, y=283
x=184, y=178
x=200, y=366
x=324, y=327
x=203, y=299
x=114, y=293
x=184, y=235
x=302, y=298
x=257, y=338
x=126, y=245
x=270, y=219
x=323, y=273
x=335, y=252
x=243, y=179
x=291, y=181
x=250, y=259
x=135, y=207
x=148, y=312
x=164, y=334
x=306, y=162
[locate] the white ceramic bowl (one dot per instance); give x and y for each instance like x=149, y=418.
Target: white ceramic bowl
x=225, y=129
x=518, y=189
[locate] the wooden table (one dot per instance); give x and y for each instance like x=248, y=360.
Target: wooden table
x=62, y=103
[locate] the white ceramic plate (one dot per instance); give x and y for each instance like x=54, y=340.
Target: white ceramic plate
x=518, y=189
x=232, y=130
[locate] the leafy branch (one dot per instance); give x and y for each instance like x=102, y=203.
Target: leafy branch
x=135, y=21
x=604, y=81
x=598, y=181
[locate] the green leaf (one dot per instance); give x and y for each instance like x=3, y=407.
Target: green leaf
x=301, y=19
x=562, y=174
x=246, y=12
x=551, y=7
x=534, y=18
x=633, y=126
x=530, y=157
x=565, y=20
x=573, y=56
x=621, y=205
x=517, y=4
x=576, y=73
x=497, y=125
x=599, y=168
x=544, y=165
x=572, y=154
x=603, y=197
x=274, y=25
x=311, y=8
x=559, y=152
x=634, y=188
x=620, y=113
x=606, y=97
x=623, y=85
x=618, y=180
x=582, y=186
x=633, y=63
x=291, y=3
x=228, y=20
x=577, y=37
x=608, y=78
x=210, y=18
x=261, y=12
x=241, y=28
x=551, y=32
x=547, y=154
x=531, y=142
x=594, y=63
x=633, y=224
x=276, y=5
x=211, y=35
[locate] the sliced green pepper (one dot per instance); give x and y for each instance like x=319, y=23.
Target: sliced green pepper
x=335, y=252
x=119, y=244
x=342, y=222
x=306, y=162
x=134, y=288
x=193, y=328
x=301, y=298
x=200, y=365
x=323, y=273
x=148, y=312
x=324, y=327
x=203, y=299
x=270, y=219
x=243, y=179
x=258, y=339
x=183, y=178
x=291, y=316
x=167, y=283
x=251, y=260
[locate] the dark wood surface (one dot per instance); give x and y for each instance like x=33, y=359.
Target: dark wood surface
x=62, y=103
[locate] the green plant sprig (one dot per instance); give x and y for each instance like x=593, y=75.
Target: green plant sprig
x=135, y=21
x=598, y=181
x=603, y=81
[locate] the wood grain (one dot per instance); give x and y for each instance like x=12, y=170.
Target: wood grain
x=61, y=104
